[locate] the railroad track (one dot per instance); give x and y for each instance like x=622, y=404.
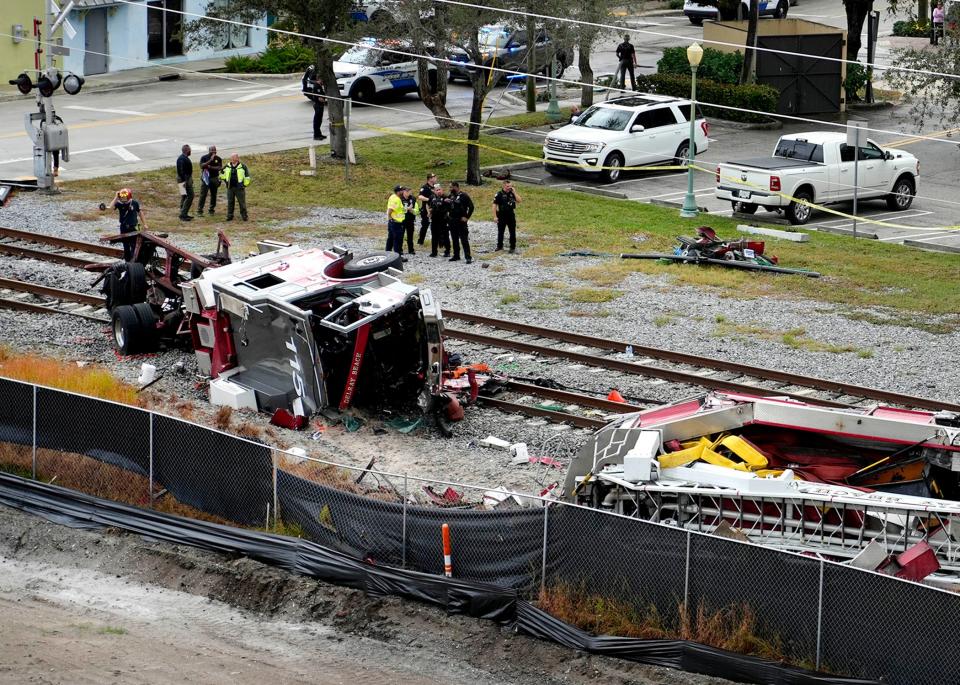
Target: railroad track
x=676, y=367
x=23, y=296
x=64, y=250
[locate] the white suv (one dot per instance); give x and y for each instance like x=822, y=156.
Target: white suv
x=634, y=131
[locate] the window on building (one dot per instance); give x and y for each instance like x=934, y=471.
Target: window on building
x=232, y=36
x=164, y=28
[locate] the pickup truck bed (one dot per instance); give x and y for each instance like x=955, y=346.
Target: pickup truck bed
x=772, y=163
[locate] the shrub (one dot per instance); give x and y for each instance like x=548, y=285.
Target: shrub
x=856, y=79
x=675, y=4
x=722, y=67
x=912, y=28
x=287, y=58
x=759, y=97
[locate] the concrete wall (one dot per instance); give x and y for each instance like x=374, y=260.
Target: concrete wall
x=127, y=39
x=18, y=57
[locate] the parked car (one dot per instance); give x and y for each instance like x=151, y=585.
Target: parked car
x=373, y=68
x=696, y=12
x=817, y=167
x=630, y=131
x=504, y=47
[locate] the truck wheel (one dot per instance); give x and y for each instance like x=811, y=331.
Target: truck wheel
x=371, y=264
x=902, y=196
x=135, y=282
x=696, y=21
x=149, y=336
x=797, y=213
x=683, y=151
x=614, y=167
x=744, y=207
x=127, y=330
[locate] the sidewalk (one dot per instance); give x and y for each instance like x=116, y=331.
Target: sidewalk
x=195, y=69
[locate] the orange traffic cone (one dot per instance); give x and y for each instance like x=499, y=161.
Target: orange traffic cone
x=615, y=396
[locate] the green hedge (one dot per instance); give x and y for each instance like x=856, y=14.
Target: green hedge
x=722, y=67
x=288, y=58
x=760, y=97
x=911, y=29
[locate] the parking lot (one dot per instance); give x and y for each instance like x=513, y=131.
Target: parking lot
x=920, y=226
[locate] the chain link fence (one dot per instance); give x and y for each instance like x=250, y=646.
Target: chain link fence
x=816, y=613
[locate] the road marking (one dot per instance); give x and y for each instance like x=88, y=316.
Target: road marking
x=93, y=149
x=124, y=154
x=227, y=91
x=128, y=112
x=268, y=91
x=877, y=216
x=913, y=236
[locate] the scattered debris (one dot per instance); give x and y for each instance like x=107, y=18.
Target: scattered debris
x=281, y=417
x=449, y=498
x=495, y=443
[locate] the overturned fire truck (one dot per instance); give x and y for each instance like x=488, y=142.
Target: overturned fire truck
x=291, y=329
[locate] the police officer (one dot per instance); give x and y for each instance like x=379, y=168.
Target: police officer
x=461, y=210
x=395, y=217
x=313, y=89
x=504, y=213
x=237, y=177
x=440, y=206
x=626, y=63
x=426, y=192
x=411, y=205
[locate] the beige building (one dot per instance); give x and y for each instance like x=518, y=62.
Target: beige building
x=18, y=53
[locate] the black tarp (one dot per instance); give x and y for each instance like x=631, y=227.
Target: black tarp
x=476, y=599
x=16, y=412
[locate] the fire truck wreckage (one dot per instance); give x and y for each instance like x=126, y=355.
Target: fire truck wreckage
x=289, y=331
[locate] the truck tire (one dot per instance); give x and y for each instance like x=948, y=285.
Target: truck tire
x=797, y=213
x=135, y=283
x=371, y=264
x=614, y=167
x=744, y=207
x=903, y=193
x=149, y=335
x=683, y=151
x=127, y=330
x=696, y=21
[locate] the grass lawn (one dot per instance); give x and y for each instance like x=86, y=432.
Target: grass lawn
x=862, y=273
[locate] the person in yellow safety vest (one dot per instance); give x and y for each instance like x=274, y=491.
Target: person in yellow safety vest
x=237, y=177
x=412, y=206
x=396, y=215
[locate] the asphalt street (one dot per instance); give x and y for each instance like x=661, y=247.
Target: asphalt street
x=143, y=127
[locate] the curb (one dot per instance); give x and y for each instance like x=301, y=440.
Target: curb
x=847, y=232
x=512, y=166
x=675, y=205
x=932, y=247
x=600, y=191
x=870, y=106
x=778, y=221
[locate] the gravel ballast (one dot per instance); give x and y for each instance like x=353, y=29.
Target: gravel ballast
x=650, y=311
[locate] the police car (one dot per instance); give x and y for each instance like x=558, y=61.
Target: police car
x=373, y=67
x=696, y=11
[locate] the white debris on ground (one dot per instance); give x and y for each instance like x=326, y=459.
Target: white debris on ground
x=646, y=310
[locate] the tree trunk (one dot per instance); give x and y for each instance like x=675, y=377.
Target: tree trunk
x=531, y=66
x=473, y=130
x=748, y=53
x=856, y=14
x=335, y=106
x=586, y=75
x=434, y=94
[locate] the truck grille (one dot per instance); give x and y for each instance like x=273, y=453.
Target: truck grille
x=566, y=146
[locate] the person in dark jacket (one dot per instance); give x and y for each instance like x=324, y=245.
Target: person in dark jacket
x=314, y=90
x=461, y=210
x=411, y=205
x=185, y=183
x=210, y=167
x=426, y=192
x=504, y=213
x=440, y=206
x=627, y=62
x=131, y=217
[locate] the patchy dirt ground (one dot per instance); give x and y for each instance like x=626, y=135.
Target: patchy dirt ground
x=107, y=607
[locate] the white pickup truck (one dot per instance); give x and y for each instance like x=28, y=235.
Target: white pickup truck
x=817, y=168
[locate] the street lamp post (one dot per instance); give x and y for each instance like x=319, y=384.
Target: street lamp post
x=689, y=209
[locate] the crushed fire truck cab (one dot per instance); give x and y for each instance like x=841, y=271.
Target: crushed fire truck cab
x=306, y=329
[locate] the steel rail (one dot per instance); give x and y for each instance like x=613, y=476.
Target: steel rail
x=42, y=256
x=572, y=397
x=57, y=293
x=78, y=245
x=6, y=303
x=634, y=368
x=814, y=382
x=556, y=416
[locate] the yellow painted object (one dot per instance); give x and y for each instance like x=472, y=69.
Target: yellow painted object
x=744, y=449
x=718, y=459
x=692, y=451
